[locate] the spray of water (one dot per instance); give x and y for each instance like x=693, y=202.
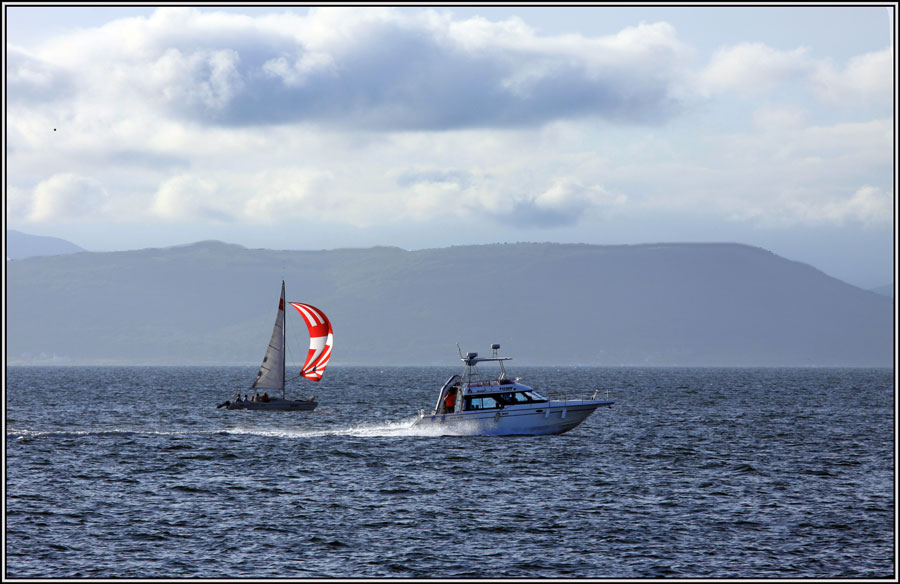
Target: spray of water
x=376, y=430
x=385, y=429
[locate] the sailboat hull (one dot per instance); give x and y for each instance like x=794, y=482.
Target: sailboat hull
x=275, y=404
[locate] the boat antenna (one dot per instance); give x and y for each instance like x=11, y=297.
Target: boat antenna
x=496, y=347
x=460, y=351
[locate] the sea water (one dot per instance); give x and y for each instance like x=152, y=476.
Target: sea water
x=728, y=473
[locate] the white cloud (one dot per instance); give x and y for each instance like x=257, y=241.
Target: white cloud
x=782, y=172
x=566, y=202
x=29, y=78
x=297, y=72
x=373, y=68
x=866, y=79
x=189, y=198
x=271, y=196
x=868, y=205
x=68, y=197
x=290, y=193
x=387, y=117
x=751, y=68
x=18, y=203
x=849, y=147
x=506, y=193
x=206, y=79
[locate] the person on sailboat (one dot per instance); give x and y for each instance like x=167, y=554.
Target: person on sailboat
x=450, y=401
x=265, y=397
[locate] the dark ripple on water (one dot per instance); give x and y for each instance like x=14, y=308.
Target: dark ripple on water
x=132, y=472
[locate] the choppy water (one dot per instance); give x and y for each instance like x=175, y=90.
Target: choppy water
x=133, y=472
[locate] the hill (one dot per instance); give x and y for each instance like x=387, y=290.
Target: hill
x=22, y=245
x=666, y=304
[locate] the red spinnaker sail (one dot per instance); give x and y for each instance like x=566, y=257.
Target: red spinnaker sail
x=320, y=340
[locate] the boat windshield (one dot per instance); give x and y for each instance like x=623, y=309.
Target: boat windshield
x=498, y=400
x=520, y=397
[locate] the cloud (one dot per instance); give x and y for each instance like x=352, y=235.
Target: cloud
x=411, y=177
x=187, y=198
x=67, y=197
x=371, y=68
x=751, y=68
x=565, y=202
x=866, y=79
x=291, y=193
x=32, y=79
x=18, y=203
x=199, y=81
x=387, y=69
x=510, y=194
x=869, y=206
x=396, y=119
x=781, y=172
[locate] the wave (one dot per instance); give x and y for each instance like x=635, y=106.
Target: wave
x=24, y=434
x=372, y=430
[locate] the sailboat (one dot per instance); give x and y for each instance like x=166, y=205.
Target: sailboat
x=271, y=376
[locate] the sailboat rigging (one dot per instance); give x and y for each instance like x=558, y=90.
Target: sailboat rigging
x=272, y=372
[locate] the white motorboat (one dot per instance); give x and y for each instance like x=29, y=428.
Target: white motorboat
x=271, y=374
x=470, y=404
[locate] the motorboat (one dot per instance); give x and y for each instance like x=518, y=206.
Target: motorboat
x=470, y=404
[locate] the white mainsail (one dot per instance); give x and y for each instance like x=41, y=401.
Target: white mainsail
x=271, y=372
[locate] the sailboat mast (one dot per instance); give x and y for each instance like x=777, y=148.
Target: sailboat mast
x=283, y=339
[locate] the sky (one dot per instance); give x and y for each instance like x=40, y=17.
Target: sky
x=289, y=127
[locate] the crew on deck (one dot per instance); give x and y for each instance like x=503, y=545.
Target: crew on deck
x=450, y=401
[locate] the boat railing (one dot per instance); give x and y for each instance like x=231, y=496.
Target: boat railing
x=581, y=396
x=598, y=390
x=492, y=382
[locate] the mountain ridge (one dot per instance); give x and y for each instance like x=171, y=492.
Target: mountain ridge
x=21, y=245
x=660, y=304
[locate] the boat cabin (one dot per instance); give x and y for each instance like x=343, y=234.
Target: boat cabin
x=484, y=394
x=500, y=400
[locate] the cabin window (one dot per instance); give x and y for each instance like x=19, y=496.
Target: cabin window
x=520, y=397
x=480, y=403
